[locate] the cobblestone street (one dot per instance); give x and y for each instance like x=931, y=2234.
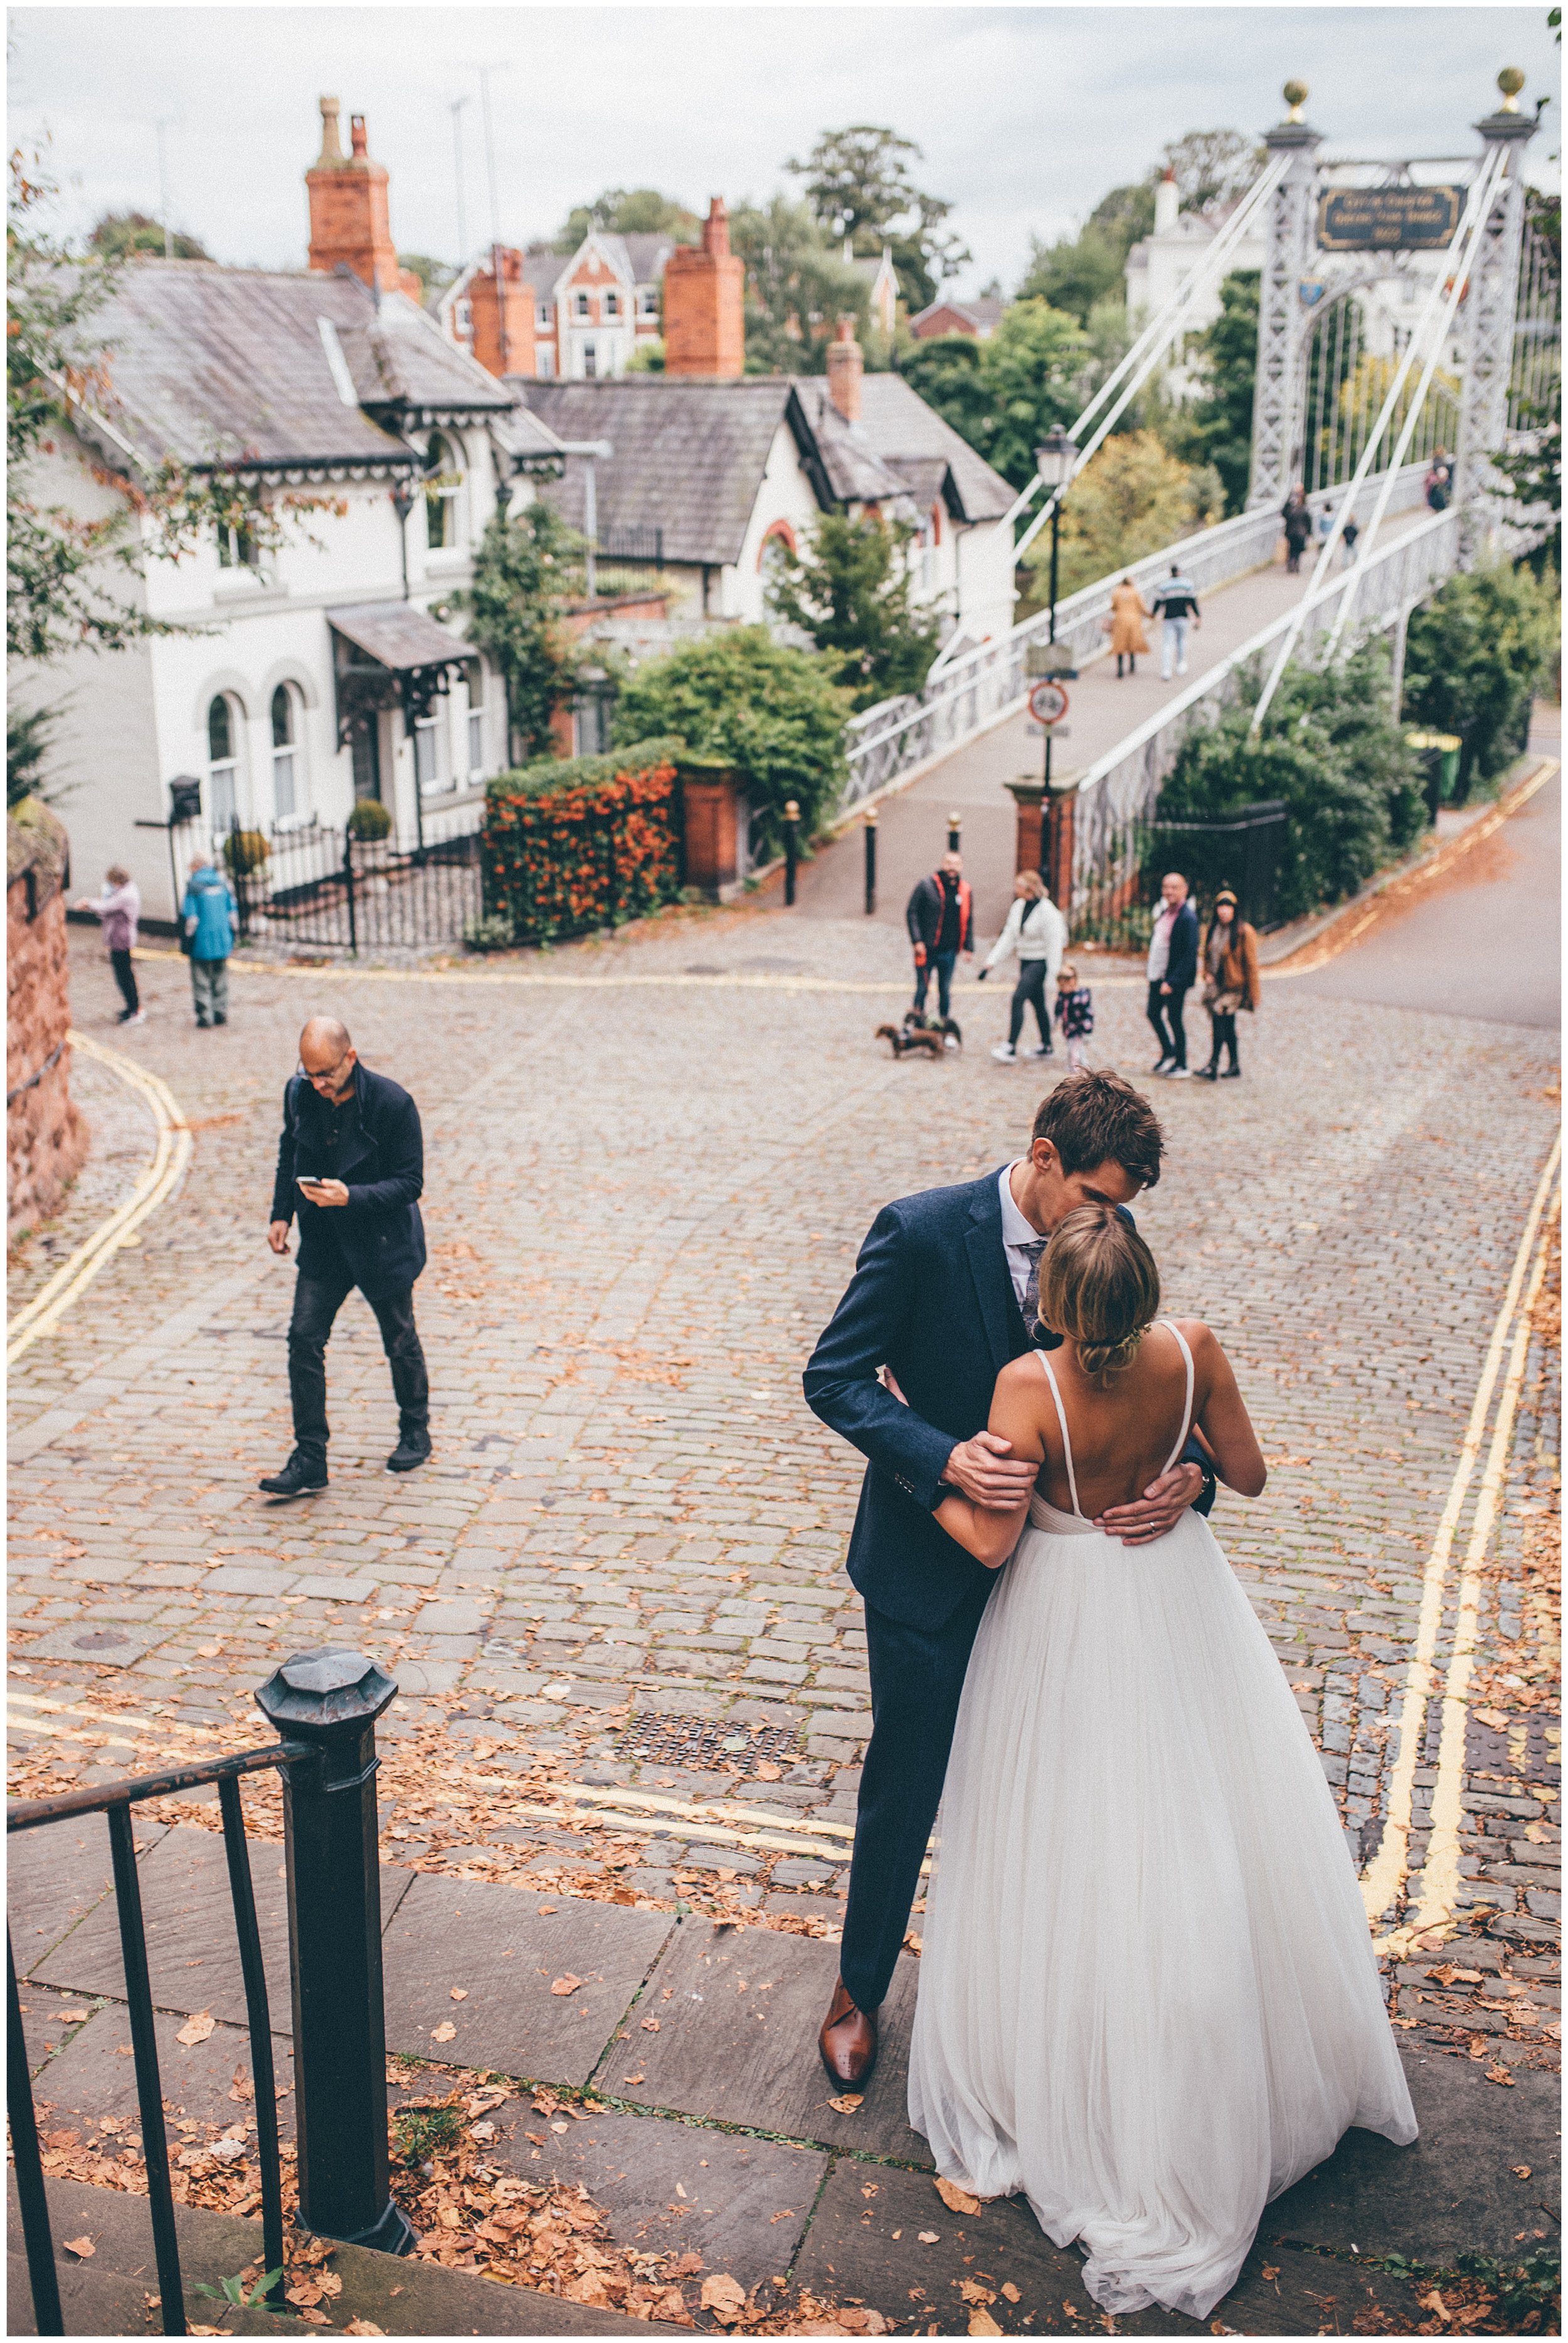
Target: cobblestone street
x=648, y=1166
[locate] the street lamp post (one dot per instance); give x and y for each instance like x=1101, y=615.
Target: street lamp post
x=1054, y=459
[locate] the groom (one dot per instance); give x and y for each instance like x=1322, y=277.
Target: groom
x=943, y=1295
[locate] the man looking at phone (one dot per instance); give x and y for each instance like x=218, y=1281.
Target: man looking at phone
x=351, y=1165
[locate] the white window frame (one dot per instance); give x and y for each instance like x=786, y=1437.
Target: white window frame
x=475, y=741
x=463, y=319
x=545, y=364
x=225, y=774
x=647, y=303
x=297, y=815
x=433, y=776
x=447, y=492
x=611, y=304
x=544, y=315
x=582, y=309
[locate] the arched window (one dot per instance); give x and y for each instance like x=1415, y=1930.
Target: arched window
x=443, y=487
x=287, y=758
x=223, y=762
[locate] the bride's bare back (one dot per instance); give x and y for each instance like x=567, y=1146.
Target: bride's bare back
x=1122, y=1435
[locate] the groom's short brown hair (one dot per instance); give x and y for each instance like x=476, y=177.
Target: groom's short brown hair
x=1091, y=1119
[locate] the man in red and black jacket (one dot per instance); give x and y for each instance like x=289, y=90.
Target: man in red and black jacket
x=941, y=923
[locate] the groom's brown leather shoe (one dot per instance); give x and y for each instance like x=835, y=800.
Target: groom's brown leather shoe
x=847, y=2041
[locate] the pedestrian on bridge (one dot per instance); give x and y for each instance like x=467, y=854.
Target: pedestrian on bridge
x=1128, y=612
x=940, y=919
x=1230, y=983
x=1297, y=516
x=1037, y=933
x=1176, y=600
x=351, y=1163
x=1173, y=966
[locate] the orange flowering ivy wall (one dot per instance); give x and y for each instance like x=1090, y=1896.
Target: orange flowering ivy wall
x=560, y=863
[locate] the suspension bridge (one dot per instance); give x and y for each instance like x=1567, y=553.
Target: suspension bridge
x=1462, y=356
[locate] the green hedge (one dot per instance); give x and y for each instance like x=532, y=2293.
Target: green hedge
x=550, y=776
x=1475, y=658
x=1331, y=751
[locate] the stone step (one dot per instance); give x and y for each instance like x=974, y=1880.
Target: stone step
x=107, y=2294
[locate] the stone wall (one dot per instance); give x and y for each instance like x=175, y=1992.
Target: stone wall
x=46, y=1137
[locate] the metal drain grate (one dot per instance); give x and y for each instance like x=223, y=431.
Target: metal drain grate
x=697, y=1741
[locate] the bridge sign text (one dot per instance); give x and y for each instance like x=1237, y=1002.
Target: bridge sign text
x=1388, y=219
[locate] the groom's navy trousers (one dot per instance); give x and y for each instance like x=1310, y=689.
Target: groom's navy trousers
x=933, y=1299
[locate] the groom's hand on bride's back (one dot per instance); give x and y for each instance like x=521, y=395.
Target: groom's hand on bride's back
x=1158, y=1509
x=986, y=1470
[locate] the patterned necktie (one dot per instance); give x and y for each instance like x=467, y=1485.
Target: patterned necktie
x=1033, y=1249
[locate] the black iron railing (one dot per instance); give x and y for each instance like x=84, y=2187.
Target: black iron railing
x=326, y=1704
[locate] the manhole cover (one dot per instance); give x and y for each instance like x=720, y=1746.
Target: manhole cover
x=697, y=1741
x=103, y=1639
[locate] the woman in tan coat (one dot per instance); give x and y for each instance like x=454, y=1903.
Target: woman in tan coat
x=1229, y=981
x=1128, y=612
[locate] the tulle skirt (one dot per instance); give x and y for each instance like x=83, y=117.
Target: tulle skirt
x=1147, y=1998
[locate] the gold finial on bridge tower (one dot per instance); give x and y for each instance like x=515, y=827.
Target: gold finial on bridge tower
x=1295, y=94
x=1510, y=81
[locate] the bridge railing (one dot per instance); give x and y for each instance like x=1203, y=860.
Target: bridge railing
x=1117, y=797
x=982, y=686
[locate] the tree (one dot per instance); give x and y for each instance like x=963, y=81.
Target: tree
x=1132, y=497
x=120, y=236
x=1003, y=393
x=798, y=287
x=27, y=749
x=1077, y=274
x=630, y=211
x=526, y=571
x=849, y=592
x=1212, y=168
x=1216, y=426
x=859, y=185
x=1474, y=657
x=434, y=276
x=735, y=696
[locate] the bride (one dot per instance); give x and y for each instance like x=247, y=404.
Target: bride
x=1148, y=1998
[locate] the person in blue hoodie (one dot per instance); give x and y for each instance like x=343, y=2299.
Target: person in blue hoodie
x=209, y=912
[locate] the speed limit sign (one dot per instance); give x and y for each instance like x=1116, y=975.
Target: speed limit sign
x=1048, y=703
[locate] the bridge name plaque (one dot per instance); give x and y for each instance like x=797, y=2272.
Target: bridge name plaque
x=1388, y=219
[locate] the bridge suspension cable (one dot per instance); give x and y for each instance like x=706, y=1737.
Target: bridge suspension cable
x=1466, y=239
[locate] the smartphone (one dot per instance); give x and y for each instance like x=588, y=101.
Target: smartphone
x=308, y=1180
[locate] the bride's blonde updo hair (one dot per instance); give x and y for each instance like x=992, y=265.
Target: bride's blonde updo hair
x=1098, y=1286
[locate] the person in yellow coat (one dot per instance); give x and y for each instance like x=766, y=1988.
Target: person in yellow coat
x=1128, y=612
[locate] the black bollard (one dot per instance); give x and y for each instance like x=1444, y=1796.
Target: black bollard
x=870, y=862
x=331, y=1699
x=955, y=834
x=791, y=848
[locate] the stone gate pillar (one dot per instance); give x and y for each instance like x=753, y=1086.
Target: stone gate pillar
x=1285, y=320
x=1490, y=307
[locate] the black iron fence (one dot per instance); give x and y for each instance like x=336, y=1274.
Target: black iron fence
x=1116, y=890
x=316, y=884
x=325, y=1704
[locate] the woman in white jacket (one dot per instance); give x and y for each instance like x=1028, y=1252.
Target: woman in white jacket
x=1037, y=933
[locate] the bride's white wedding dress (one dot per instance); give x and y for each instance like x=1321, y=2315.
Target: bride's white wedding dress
x=1147, y=1998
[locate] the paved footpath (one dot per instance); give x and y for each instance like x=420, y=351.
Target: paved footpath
x=617, y=1589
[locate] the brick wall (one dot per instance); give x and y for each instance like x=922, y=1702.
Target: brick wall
x=46, y=1137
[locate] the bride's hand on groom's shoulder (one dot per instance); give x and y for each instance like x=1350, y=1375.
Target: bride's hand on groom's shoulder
x=1158, y=1509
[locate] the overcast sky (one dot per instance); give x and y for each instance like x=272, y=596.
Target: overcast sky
x=1026, y=115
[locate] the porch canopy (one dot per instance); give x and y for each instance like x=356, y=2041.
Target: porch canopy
x=389, y=653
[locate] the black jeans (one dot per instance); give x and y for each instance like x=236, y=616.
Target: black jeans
x=944, y=962
x=917, y=1675
x=1165, y=1016
x=125, y=977
x=1030, y=987
x=316, y=1302
x=1223, y=1026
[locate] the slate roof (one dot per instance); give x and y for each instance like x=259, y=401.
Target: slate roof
x=984, y=312
x=210, y=364
x=689, y=454
x=399, y=636
x=689, y=459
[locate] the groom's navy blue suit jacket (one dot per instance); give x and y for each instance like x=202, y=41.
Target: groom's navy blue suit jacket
x=932, y=1298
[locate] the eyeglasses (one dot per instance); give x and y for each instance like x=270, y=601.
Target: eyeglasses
x=328, y=1080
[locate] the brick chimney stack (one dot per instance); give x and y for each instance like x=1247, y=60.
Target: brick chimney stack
x=845, y=368
x=348, y=215
x=501, y=305
x=705, y=303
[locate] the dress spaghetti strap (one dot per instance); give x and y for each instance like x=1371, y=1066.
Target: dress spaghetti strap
x=1187, y=1404
x=1043, y=1357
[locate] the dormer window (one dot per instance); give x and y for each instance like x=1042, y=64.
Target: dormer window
x=648, y=301
x=442, y=487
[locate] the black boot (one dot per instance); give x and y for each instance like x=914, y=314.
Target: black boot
x=302, y=1476
x=1211, y=1072
x=413, y=1449
x=1232, y=1072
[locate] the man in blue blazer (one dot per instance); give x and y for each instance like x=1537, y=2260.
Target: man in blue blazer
x=943, y=1295
x=1172, y=970
x=351, y=1164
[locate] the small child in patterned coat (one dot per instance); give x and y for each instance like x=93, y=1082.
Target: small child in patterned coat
x=1074, y=1013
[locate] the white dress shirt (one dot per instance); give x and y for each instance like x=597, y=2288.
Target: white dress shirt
x=1160, y=945
x=1016, y=1233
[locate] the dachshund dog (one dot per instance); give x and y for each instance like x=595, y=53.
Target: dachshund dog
x=927, y=1037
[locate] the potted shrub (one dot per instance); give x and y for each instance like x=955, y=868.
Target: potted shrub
x=370, y=820
x=246, y=852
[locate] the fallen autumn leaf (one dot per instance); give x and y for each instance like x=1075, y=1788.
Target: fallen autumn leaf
x=565, y=1984
x=196, y=2029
